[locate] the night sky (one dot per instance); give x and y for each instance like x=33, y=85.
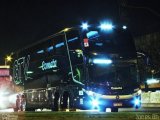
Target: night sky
x=23, y=22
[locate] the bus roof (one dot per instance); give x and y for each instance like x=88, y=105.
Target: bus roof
x=40, y=41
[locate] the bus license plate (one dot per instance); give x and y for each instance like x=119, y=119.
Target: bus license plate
x=117, y=104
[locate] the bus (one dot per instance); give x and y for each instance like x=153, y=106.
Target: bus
x=79, y=68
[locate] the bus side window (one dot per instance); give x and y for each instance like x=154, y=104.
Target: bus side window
x=43, y=50
x=50, y=49
x=59, y=45
x=73, y=40
x=39, y=54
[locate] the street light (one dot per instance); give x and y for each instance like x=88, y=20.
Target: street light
x=8, y=59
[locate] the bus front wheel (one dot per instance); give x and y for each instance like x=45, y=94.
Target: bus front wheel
x=114, y=109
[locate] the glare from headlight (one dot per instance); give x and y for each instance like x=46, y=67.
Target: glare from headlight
x=95, y=103
x=90, y=93
x=137, y=102
x=102, y=61
x=12, y=98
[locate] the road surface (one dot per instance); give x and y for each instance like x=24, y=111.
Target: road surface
x=123, y=114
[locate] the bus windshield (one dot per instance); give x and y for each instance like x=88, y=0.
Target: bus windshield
x=118, y=41
x=118, y=74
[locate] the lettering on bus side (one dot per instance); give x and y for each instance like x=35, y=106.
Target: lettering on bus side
x=49, y=65
x=20, y=68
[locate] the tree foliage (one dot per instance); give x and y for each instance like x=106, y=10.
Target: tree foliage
x=150, y=45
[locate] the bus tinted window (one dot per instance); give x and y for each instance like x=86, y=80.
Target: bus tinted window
x=73, y=40
x=116, y=42
x=59, y=45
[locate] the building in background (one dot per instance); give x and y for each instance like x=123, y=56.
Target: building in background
x=7, y=90
x=150, y=67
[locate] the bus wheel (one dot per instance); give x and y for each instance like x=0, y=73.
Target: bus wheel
x=56, y=103
x=114, y=109
x=23, y=106
x=29, y=109
x=32, y=109
x=66, y=101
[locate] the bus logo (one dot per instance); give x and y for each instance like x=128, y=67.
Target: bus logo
x=117, y=97
x=49, y=65
x=20, y=68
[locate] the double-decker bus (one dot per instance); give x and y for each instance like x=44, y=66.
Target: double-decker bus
x=93, y=68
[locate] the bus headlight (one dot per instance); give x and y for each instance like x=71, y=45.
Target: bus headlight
x=95, y=103
x=137, y=102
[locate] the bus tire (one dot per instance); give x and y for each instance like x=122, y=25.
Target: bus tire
x=66, y=101
x=55, y=106
x=114, y=109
